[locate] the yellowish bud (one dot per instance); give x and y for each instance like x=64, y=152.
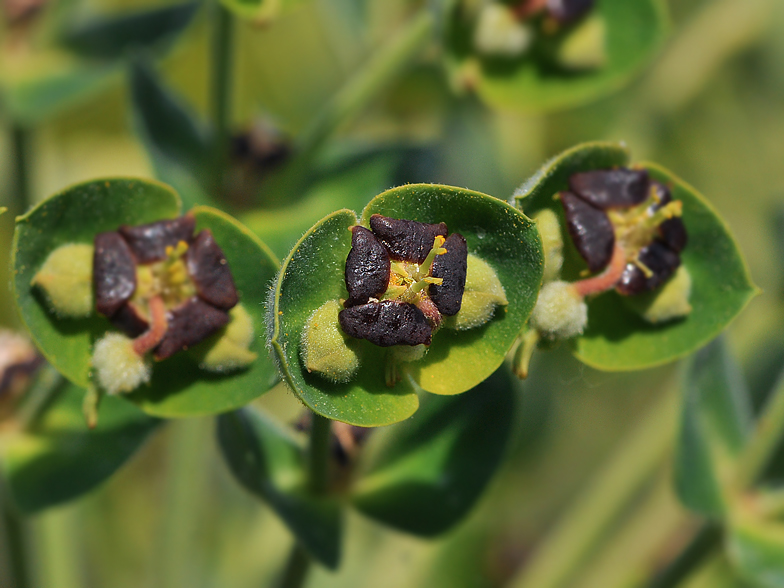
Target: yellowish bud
x=498, y=32
x=669, y=302
x=552, y=243
x=228, y=350
x=560, y=312
x=67, y=279
x=118, y=368
x=325, y=348
x=483, y=292
x=585, y=46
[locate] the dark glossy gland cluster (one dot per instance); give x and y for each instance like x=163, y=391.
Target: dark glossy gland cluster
x=162, y=284
x=402, y=276
x=620, y=217
x=561, y=10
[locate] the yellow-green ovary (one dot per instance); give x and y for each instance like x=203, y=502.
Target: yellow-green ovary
x=325, y=350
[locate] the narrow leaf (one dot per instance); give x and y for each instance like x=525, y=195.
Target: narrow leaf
x=424, y=476
x=271, y=463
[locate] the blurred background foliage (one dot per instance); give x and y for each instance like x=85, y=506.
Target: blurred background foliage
x=585, y=498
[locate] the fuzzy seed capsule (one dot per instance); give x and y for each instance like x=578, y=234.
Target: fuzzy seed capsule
x=66, y=277
x=324, y=349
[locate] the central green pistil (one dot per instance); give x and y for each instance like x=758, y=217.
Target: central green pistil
x=408, y=281
x=168, y=279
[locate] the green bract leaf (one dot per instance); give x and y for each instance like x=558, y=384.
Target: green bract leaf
x=604, y=49
x=259, y=11
x=457, y=360
x=456, y=438
x=499, y=235
x=270, y=461
x=42, y=85
x=310, y=276
x=178, y=387
x=756, y=549
x=59, y=458
x=111, y=37
x=76, y=215
x=714, y=424
x=178, y=148
x=617, y=338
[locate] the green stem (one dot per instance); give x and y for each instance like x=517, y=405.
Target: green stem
x=380, y=71
x=185, y=490
x=580, y=530
x=221, y=85
x=297, y=568
x=704, y=543
x=17, y=564
x=299, y=561
x=48, y=383
x=20, y=139
x=764, y=439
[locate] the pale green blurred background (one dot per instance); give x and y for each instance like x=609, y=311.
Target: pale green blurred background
x=710, y=108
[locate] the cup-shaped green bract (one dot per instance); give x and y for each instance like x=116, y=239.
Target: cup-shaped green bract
x=617, y=338
x=542, y=65
x=178, y=387
x=457, y=360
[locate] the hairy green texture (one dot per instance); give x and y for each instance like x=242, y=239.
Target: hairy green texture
x=617, y=338
x=593, y=62
x=457, y=360
x=326, y=350
x=67, y=279
x=178, y=388
x=76, y=215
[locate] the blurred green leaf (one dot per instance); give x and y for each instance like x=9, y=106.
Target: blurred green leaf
x=179, y=149
x=535, y=81
x=495, y=232
x=259, y=11
x=756, y=549
x=715, y=422
x=423, y=476
x=271, y=462
x=617, y=338
x=41, y=85
x=310, y=276
x=76, y=215
x=178, y=387
x=350, y=188
x=111, y=37
x=58, y=458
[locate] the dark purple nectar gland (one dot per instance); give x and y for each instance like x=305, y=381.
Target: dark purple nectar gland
x=163, y=286
x=396, y=302
x=568, y=10
x=624, y=208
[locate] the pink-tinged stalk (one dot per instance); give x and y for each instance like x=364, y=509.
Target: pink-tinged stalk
x=605, y=280
x=158, y=327
x=528, y=7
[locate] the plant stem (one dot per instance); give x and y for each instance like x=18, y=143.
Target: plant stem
x=15, y=543
x=48, y=383
x=707, y=539
x=20, y=139
x=764, y=439
x=380, y=70
x=580, y=529
x=221, y=85
x=299, y=561
x=185, y=490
